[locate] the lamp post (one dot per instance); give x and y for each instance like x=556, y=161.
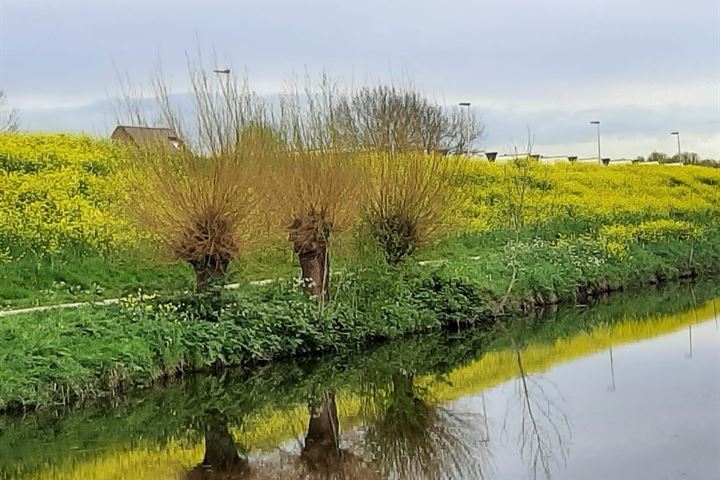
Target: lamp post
x=597, y=122
x=224, y=72
x=678, y=140
x=467, y=127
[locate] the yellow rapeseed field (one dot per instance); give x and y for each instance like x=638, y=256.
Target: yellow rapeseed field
x=627, y=194
x=57, y=193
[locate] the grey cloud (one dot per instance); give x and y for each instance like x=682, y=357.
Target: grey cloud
x=452, y=49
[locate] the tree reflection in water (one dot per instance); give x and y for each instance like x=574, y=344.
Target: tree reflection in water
x=412, y=438
x=221, y=453
x=544, y=429
x=405, y=437
x=321, y=456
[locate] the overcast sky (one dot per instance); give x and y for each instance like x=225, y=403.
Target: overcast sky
x=642, y=67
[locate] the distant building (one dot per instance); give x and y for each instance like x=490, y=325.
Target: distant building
x=511, y=157
x=140, y=135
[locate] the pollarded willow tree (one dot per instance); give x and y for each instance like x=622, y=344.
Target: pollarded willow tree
x=410, y=193
x=204, y=198
x=411, y=200
x=203, y=208
x=309, y=172
x=317, y=184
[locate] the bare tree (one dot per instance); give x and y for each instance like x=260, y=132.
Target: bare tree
x=389, y=118
x=9, y=121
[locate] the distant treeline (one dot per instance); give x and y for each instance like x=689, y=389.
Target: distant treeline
x=687, y=158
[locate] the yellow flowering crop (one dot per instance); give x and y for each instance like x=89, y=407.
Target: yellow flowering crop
x=58, y=191
x=591, y=192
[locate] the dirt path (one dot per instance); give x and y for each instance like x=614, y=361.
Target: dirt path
x=98, y=303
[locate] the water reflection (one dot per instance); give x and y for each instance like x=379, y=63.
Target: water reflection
x=544, y=429
x=221, y=452
x=531, y=400
x=404, y=435
x=322, y=457
x=409, y=436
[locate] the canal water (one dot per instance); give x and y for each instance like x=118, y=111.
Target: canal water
x=626, y=389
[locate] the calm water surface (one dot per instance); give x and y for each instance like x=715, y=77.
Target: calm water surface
x=626, y=390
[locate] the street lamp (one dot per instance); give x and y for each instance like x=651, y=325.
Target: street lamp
x=597, y=122
x=226, y=72
x=467, y=127
x=678, y=140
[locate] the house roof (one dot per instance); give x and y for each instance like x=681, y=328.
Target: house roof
x=144, y=134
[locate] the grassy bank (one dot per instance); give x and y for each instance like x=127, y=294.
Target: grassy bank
x=61, y=238
x=56, y=357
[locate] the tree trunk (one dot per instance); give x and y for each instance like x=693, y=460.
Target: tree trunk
x=322, y=446
x=208, y=270
x=314, y=266
x=309, y=234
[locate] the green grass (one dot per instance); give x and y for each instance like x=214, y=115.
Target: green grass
x=35, y=281
x=60, y=356
x=32, y=281
x=482, y=256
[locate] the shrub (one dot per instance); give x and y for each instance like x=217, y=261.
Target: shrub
x=410, y=200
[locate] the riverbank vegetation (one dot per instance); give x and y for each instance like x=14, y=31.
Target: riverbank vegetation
x=268, y=406
x=388, y=236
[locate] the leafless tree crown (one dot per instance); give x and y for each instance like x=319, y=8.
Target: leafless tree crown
x=390, y=118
